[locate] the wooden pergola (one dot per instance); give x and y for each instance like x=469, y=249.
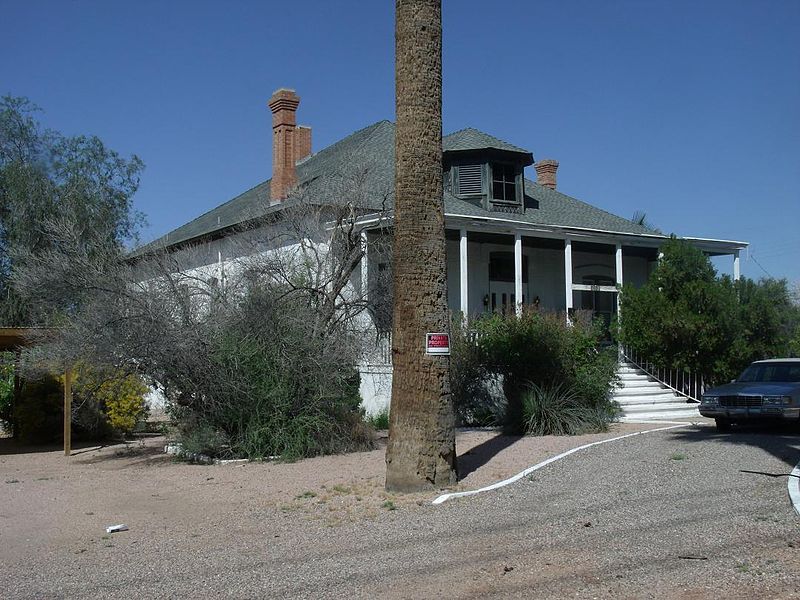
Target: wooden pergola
x=13, y=339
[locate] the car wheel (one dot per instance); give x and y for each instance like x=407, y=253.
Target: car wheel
x=723, y=425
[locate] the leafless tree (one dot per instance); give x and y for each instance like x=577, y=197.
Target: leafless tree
x=280, y=319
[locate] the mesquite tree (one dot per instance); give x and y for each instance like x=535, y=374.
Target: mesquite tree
x=44, y=174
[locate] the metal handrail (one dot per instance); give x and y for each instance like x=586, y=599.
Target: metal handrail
x=687, y=384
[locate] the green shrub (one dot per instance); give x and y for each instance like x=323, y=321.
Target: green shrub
x=104, y=402
x=37, y=415
x=686, y=317
x=558, y=410
x=125, y=406
x=6, y=388
x=273, y=390
x=471, y=380
x=379, y=420
x=540, y=348
x=197, y=437
x=109, y=400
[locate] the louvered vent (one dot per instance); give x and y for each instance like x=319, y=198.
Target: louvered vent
x=469, y=180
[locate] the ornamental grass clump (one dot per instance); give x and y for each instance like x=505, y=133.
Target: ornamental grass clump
x=559, y=410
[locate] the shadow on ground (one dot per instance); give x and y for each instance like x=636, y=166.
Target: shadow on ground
x=11, y=446
x=92, y=451
x=780, y=440
x=126, y=455
x=479, y=455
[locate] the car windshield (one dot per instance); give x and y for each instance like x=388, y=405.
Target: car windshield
x=771, y=372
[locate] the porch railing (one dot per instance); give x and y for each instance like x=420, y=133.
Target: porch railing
x=687, y=384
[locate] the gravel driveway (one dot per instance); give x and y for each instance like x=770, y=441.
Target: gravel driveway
x=685, y=513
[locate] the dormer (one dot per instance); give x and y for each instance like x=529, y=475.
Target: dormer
x=484, y=170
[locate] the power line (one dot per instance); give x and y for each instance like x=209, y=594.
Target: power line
x=761, y=266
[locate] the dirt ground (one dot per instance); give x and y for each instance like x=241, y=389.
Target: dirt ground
x=56, y=503
x=325, y=527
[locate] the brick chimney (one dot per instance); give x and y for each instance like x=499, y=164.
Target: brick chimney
x=546, y=172
x=302, y=142
x=283, y=105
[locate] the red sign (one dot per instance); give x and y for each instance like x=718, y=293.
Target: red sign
x=437, y=343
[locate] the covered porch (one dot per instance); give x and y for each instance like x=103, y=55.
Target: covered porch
x=491, y=268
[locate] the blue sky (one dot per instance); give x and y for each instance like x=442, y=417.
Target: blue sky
x=687, y=111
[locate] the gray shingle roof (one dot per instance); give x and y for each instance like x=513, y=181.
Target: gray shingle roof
x=472, y=139
x=360, y=169
x=243, y=207
x=556, y=208
x=552, y=209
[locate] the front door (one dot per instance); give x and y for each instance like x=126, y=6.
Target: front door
x=602, y=304
x=502, y=296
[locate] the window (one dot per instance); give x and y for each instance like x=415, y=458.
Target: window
x=501, y=267
x=504, y=182
x=596, y=280
x=602, y=304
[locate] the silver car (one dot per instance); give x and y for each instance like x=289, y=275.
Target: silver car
x=767, y=389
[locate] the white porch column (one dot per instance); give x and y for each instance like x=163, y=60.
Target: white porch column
x=364, y=267
x=620, y=353
x=736, y=267
x=464, y=270
x=518, y=273
x=619, y=273
x=568, y=274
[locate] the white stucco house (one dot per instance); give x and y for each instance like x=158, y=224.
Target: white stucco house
x=510, y=240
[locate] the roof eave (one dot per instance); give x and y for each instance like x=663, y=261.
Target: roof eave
x=646, y=239
x=526, y=158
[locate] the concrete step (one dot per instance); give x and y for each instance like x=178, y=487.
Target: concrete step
x=638, y=380
x=637, y=400
x=633, y=377
x=642, y=399
x=628, y=370
x=639, y=383
x=642, y=391
x=660, y=407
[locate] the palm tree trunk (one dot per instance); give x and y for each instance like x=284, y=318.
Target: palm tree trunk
x=421, y=450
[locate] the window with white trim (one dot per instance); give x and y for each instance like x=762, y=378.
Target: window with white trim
x=504, y=182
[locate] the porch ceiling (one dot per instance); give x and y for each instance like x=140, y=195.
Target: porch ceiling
x=483, y=237
x=487, y=237
x=640, y=251
x=593, y=247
